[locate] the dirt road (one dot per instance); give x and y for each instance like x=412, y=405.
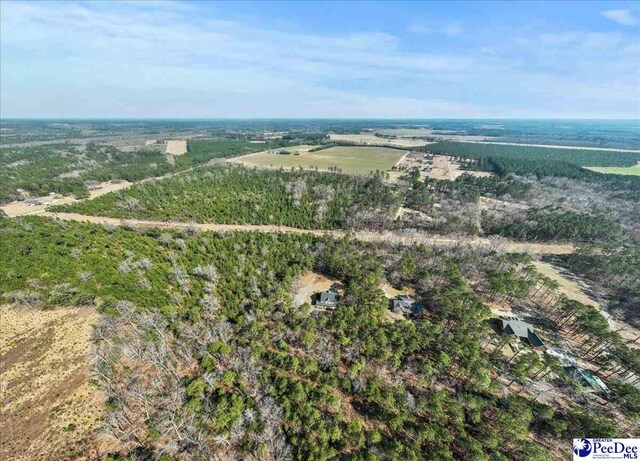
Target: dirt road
x=397, y=237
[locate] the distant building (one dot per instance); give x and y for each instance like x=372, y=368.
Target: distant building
x=327, y=299
x=406, y=305
x=587, y=379
x=522, y=330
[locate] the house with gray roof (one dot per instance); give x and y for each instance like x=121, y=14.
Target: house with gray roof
x=327, y=299
x=406, y=305
x=522, y=330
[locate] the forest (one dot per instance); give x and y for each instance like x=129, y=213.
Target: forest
x=220, y=362
x=541, y=162
x=237, y=195
x=579, y=157
x=69, y=169
x=614, y=270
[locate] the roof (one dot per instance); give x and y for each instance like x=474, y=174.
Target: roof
x=327, y=298
x=522, y=330
x=407, y=305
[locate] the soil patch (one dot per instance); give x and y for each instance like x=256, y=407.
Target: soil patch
x=50, y=410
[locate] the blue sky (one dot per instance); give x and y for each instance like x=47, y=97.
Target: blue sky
x=320, y=59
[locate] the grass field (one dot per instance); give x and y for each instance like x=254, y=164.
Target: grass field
x=630, y=170
x=352, y=160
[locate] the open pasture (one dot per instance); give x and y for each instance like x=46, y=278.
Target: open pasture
x=348, y=159
x=628, y=171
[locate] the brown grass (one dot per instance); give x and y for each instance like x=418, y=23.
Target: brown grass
x=50, y=410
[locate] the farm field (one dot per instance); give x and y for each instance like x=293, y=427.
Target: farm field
x=351, y=160
x=370, y=138
x=627, y=171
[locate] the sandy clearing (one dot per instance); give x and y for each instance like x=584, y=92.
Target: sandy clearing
x=404, y=213
x=569, y=287
x=396, y=237
x=391, y=292
x=50, y=410
x=442, y=169
x=176, y=147
x=573, y=288
x=309, y=284
x=20, y=208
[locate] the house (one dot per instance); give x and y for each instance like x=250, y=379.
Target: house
x=587, y=379
x=522, y=330
x=327, y=299
x=406, y=305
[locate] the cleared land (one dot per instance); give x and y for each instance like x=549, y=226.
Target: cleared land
x=370, y=138
x=567, y=286
x=309, y=284
x=176, y=147
x=429, y=133
x=351, y=160
x=39, y=205
x=50, y=410
x=628, y=171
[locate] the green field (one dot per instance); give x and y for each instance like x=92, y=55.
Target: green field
x=348, y=159
x=630, y=170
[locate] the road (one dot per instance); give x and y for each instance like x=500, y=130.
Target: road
x=396, y=237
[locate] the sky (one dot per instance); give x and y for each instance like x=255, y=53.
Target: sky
x=164, y=59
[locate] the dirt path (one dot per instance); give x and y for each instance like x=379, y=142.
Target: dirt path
x=21, y=208
x=397, y=237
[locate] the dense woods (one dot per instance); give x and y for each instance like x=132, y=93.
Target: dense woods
x=551, y=224
x=219, y=361
x=541, y=162
x=70, y=169
x=236, y=195
x=579, y=157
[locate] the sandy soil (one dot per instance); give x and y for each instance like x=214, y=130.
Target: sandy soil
x=391, y=293
x=50, y=410
x=405, y=213
x=176, y=147
x=573, y=288
x=20, y=208
x=570, y=287
x=442, y=169
x=309, y=284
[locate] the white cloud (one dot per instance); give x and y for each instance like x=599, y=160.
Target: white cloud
x=174, y=60
x=623, y=17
